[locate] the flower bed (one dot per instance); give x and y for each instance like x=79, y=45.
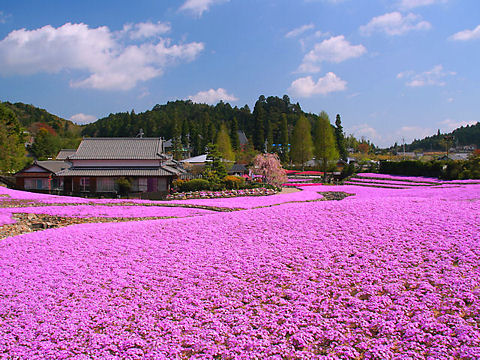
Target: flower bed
x=390, y=275
x=221, y=194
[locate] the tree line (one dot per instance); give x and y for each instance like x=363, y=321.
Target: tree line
x=275, y=126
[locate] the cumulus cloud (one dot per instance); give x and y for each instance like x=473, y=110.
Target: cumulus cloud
x=307, y=87
x=364, y=130
x=147, y=30
x=335, y=49
x=109, y=62
x=448, y=125
x=83, y=118
x=395, y=23
x=410, y=4
x=212, y=96
x=198, y=7
x=466, y=35
x=433, y=77
x=299, y=31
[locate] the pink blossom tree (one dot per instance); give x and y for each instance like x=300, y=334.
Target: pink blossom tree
x=269, y=166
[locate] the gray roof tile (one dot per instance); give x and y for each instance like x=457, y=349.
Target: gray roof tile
x=119, y=149
x=117, y=172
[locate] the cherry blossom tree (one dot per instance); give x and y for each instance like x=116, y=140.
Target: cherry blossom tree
x=269, y=166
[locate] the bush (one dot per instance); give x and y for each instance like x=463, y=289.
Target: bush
x=194, y=185
x=233, y=182
x=124, y=186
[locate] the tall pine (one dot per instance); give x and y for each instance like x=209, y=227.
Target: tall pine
x=224, y=144
x=340, y=139
x=284, y=142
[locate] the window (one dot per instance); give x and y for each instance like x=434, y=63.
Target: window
x=36, y=184
x=105, y=184
x=142, y=184
x=84, y=184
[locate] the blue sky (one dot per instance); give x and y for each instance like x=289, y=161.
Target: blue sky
x=392, y=69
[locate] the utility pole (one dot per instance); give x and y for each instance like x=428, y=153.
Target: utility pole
x=403, y=140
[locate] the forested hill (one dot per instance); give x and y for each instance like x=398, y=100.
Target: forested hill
x=33, y=118
x=465, y=135
x=197, y=124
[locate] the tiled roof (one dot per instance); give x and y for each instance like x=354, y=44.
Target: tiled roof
x=157, y=171
x=64, y=153
x=53, y=165
x=119, y=149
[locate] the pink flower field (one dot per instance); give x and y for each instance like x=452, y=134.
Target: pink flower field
x=384, y=274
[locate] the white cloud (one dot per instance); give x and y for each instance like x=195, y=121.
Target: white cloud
x=109, y=63
x=335, y=49
x=433, y=77
x=466, y=35
x=364, y=130
x=3, y=17
x=83, y=118
x=148, y=29
x=410, y=4
x=448, y=125
x=306, y=86
x=299, y=31
x=394, y=23
x=212, y=96
x=198, y=7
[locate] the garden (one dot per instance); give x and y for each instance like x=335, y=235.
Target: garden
x=389, y=272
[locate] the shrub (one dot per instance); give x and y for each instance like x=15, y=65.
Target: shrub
x=194, y=185
x=124, y=186
x=233, y=182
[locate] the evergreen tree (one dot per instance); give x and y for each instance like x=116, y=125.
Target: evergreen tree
x=234, y=135
x=324, y=140
x=215, y=169
x=223, y=143
x=259, y=123
x=340, y=139
x=284, y=148
x=269, y=133
x=302, y=145
x=12, y=149
x=176, y=139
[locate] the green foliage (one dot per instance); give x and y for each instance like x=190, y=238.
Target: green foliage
x=12, y=149
x=324, y=141
x=224, y=145
x=46, y=145
x=123, y=185
x=340, y=139
x=194, y=185
x=215, y=169
x=284, y=148
x=302, y=145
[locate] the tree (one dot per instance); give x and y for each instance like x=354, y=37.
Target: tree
x=302, y=144
x=269, y=166
x=45, y=145
x=234, y=135
x=259, y=130
x=340, y=139
x=215, y=169
x=223, y=143
x=176, y=139
x=324, y=139
x=12, y=149
x=284, y=148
